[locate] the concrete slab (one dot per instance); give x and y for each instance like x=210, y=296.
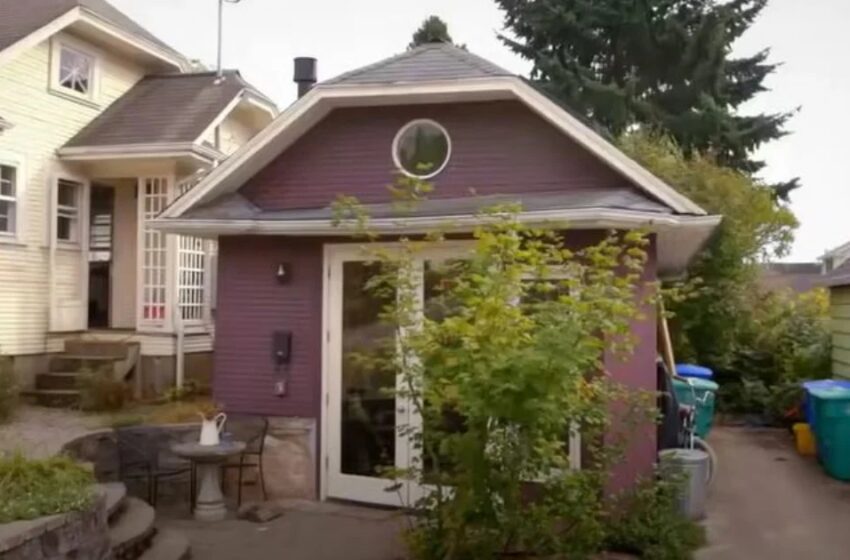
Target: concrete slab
x=770, y=503
x=306, y=531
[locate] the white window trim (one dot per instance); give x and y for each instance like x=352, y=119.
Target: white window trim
x=13, y=160
x=410, y=125
x=75, y=242
x=65, y=42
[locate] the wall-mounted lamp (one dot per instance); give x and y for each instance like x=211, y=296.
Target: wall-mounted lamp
x=283, y=273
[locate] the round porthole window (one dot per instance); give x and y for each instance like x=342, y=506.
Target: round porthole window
x=422, y=149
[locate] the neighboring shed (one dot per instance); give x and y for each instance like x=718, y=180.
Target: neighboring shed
x=839, y=310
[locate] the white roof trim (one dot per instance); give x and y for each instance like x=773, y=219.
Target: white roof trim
x=308, y=110
x=78, y=14
x=138, y=151
x=579, y=218
x=246, y=96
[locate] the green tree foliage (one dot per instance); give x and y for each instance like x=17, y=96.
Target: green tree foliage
x=500, y=364
x=432, y=30
x=662, y=64
x=710, y=323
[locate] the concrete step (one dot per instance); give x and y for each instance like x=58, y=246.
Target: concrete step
x=79, y=362
x=56, y=380
x=104, y=348
x=116, y=493
x=168, y=545
x=54, y=398
x=131, y=529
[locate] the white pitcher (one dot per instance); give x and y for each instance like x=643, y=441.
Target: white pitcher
x=211, y=429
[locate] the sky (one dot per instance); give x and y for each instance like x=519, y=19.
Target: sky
x=810, y=38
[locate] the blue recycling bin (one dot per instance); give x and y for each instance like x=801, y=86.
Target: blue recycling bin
x=693, y=371
x=809, y=403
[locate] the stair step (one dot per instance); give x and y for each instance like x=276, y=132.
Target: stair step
x=131, y=529
x=116, y=492
x=97, y=348
x=54, y=398
x=167, y=544
x=56, y=380
x=77, y=362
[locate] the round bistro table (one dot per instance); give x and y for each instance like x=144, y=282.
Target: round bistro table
x=209, y=505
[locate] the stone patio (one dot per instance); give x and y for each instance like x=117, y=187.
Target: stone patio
x=306, y=531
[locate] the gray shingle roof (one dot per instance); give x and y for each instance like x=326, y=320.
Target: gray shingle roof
x=434, y=61
x=236, y=207
x=162, y=108
x=19, y=18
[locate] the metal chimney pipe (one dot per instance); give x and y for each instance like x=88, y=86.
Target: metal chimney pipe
x=305, y=74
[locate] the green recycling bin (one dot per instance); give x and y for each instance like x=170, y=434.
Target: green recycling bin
x=832, y=411
x=704, y=391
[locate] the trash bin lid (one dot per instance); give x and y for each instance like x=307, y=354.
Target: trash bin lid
x=699, y=384
x=835, y=392
x=693, y=370
x=689, y=456
x=826, y=384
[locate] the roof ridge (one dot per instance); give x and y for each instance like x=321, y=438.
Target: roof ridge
x=411, y=53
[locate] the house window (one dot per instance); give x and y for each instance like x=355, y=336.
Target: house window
x=422, y=149
x=76, y=71
x=8, y=199
x=68, y=210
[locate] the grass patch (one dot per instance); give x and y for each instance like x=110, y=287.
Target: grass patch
x=33, y=488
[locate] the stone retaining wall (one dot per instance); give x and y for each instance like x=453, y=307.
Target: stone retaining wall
x=70, y=536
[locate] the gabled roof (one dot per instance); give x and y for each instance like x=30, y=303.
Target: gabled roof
x=21, y=18
x=433, y=61
x=168, y=108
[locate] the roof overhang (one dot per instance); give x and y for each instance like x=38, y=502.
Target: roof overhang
x=89, y=24
x=679, y=237
x=311, y=108
x=201, y=152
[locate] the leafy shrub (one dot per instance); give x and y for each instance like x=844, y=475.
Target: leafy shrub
x=191, y=390
x=8, y=390
x=646, y=521
x=101, y=392
x=34, y=488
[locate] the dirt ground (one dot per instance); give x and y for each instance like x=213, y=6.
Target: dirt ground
x=770, y=503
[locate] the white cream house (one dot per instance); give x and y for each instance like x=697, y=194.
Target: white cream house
x=102, y=125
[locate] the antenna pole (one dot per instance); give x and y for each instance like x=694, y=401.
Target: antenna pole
x=220, y=17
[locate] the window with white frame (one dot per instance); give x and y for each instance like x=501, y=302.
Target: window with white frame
x=8, y=199
x=68, y=194
x=76, y=71
x=155, y=251
x=192, y=263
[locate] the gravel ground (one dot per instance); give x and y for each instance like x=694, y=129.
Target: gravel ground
x=41, y=432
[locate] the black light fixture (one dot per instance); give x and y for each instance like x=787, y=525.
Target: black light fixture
x=283, y=273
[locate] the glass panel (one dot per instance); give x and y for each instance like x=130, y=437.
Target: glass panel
x=7, y=216
x=67, y=194
x=64, y=228
x=75, y=70
x=368, y=406
x=7, y=180
x=422, y=149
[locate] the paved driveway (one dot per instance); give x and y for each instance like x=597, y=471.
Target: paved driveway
x=769, y=503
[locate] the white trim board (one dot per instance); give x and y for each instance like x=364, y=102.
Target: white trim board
x=78, y=14
x=311, y=108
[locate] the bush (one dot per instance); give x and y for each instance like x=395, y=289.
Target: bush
x=8, y=390
x=34, y=488
x=646, y=521
x=100, y=392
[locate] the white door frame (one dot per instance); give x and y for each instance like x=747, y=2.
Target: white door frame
x=334, y=484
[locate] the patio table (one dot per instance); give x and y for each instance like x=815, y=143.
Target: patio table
x=208, y=459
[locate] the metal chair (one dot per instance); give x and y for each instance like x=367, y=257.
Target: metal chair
x=252, y=431
x=144, y=454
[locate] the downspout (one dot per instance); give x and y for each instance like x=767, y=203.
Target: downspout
x=179, y=346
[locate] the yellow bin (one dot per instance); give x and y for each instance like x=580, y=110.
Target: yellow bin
x=805, y=439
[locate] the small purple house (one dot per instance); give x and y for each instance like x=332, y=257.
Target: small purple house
x=291, y=301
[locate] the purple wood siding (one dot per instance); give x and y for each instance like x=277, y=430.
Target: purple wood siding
x=637, y=371
x=251, y=306
x=497, y=147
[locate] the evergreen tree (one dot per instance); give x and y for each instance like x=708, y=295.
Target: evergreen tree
x=432, y=30
x=661, y=64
